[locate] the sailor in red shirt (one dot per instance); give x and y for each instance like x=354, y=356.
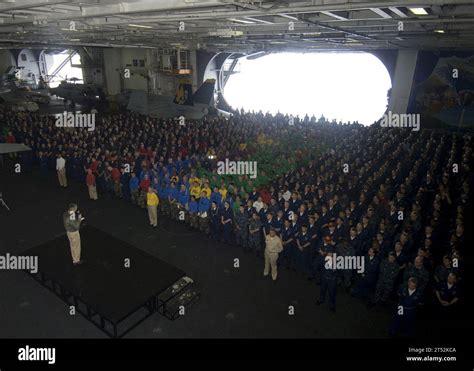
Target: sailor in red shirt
x=115, y=172
x=266, y=196
x=149, y=152
x=94, y=166
x=144, y=185
x=91, y=186
x=10, y=138
x=142, y=149
x=107, y=155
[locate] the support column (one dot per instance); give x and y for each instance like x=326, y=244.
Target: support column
x=194, y=67
x=113, y=70
x=403, y=81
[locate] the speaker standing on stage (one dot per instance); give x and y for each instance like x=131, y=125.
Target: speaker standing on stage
x=72, y=222
x=152, y=204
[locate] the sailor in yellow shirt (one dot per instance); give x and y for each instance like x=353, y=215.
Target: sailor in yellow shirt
x=194, y=179
x=175, y=179
x=206, y=189
x=152, y=202
x=223, y=192
x=195, y=190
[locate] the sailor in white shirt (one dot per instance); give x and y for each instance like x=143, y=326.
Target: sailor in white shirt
x=61, y=169
x=258, y=204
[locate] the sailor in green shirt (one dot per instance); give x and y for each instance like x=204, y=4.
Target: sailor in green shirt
x=248, y=186
x=243, y=194
x=236, y=205
x=262, y=179
x=215, y=180
x=231, y=186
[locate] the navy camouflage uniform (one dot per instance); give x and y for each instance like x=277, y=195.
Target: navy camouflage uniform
x=388, y=274
x=255, y=240
x=241, y=231
x=421, y=275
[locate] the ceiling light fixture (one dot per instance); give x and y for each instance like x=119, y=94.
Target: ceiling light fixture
x=240, y=20
x=288, y=16
x=139, y=26
x=418, y=11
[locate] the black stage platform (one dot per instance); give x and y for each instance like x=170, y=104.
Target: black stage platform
x=115, y=298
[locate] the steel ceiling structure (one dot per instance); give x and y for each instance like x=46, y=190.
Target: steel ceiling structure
x=239, y=26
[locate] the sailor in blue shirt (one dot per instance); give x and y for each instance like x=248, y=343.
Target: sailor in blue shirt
x=163, y=193
x=328, y=283
x=169, y=165
x=311, y=209
x=166, y=179
x=366, y=285
x=43, y=160
x=203, y=210
x=403, y=322
x=286, y=210
x=302, y=215
x=134, y=184
x=182, y=201
x=183, y=196
x=187, y=165
x=447, y=293
x=172, y=192
x=278, y=222
x=216, y=196
x=178, y=163
x=138, y=166
x=322, y=249
x=295, y=224
x=268, y=224
x=193, y=210
x=295, y=203
x=229, y=198
x=313, y=229
x=250, y=210
x=193, y=205
x=183, y=180
x=312, y=253
x=227, y=218
x=263, y=213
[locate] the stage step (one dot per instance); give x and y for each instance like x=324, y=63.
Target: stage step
x=178, y=305
x=176, y=299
